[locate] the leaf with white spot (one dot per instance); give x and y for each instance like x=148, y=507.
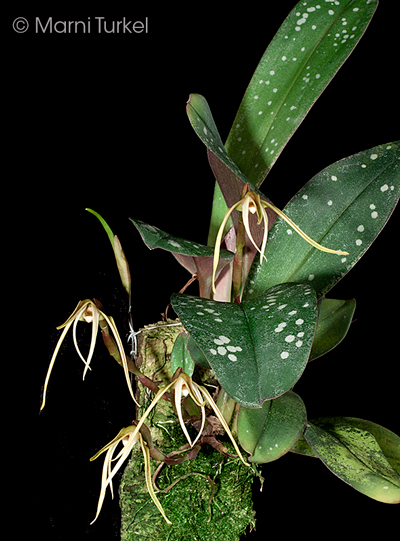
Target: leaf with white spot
x=195, y=258
x=343, y=207
x=229, y=178
x=301, y=60
x=334, y=321
x=361, y=453
x=269, y=432
x=258, y=349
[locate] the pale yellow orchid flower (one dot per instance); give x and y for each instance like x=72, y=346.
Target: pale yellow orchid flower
x=128, y=437
x=88, y=311
x=252, y=203
x=183, y=385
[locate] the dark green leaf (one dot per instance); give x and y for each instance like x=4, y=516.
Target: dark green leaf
x=230, y=178
x=306, y=52
x=361, y=453
x=344, y=207
x=156, y=238
x=269, y=432
x=334, y=320
x=196, y=354
x=257, y=349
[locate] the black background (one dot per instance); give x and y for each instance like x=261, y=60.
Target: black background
x=99, y=121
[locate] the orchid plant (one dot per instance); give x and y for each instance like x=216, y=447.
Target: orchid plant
x=262, y=313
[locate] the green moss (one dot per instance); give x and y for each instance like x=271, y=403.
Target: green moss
x=206, y=498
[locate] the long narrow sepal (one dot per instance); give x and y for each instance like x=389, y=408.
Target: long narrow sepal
x=213, y=405
x=52, y=361
x=148, y=477
x=120, y=346
x=302, y=234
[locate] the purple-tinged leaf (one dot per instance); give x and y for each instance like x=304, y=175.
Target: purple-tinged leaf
x=195, y=258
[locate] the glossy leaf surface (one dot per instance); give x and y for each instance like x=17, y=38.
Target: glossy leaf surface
x=361, y=453
x=344, y=207
x=257, y=349
x=269, y=432
x=306, y=52
x=334, y=320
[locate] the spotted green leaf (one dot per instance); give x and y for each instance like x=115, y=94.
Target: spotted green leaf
x=334, y=320
x=180, y=355
x=195, y=258
x=306, y=52
x=361, y=453
x=344, y=207
x=229, y=178
x=269, y=432
x=257, y=349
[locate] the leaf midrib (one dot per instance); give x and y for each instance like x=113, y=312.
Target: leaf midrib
x=254, y=353
x=380, y=474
